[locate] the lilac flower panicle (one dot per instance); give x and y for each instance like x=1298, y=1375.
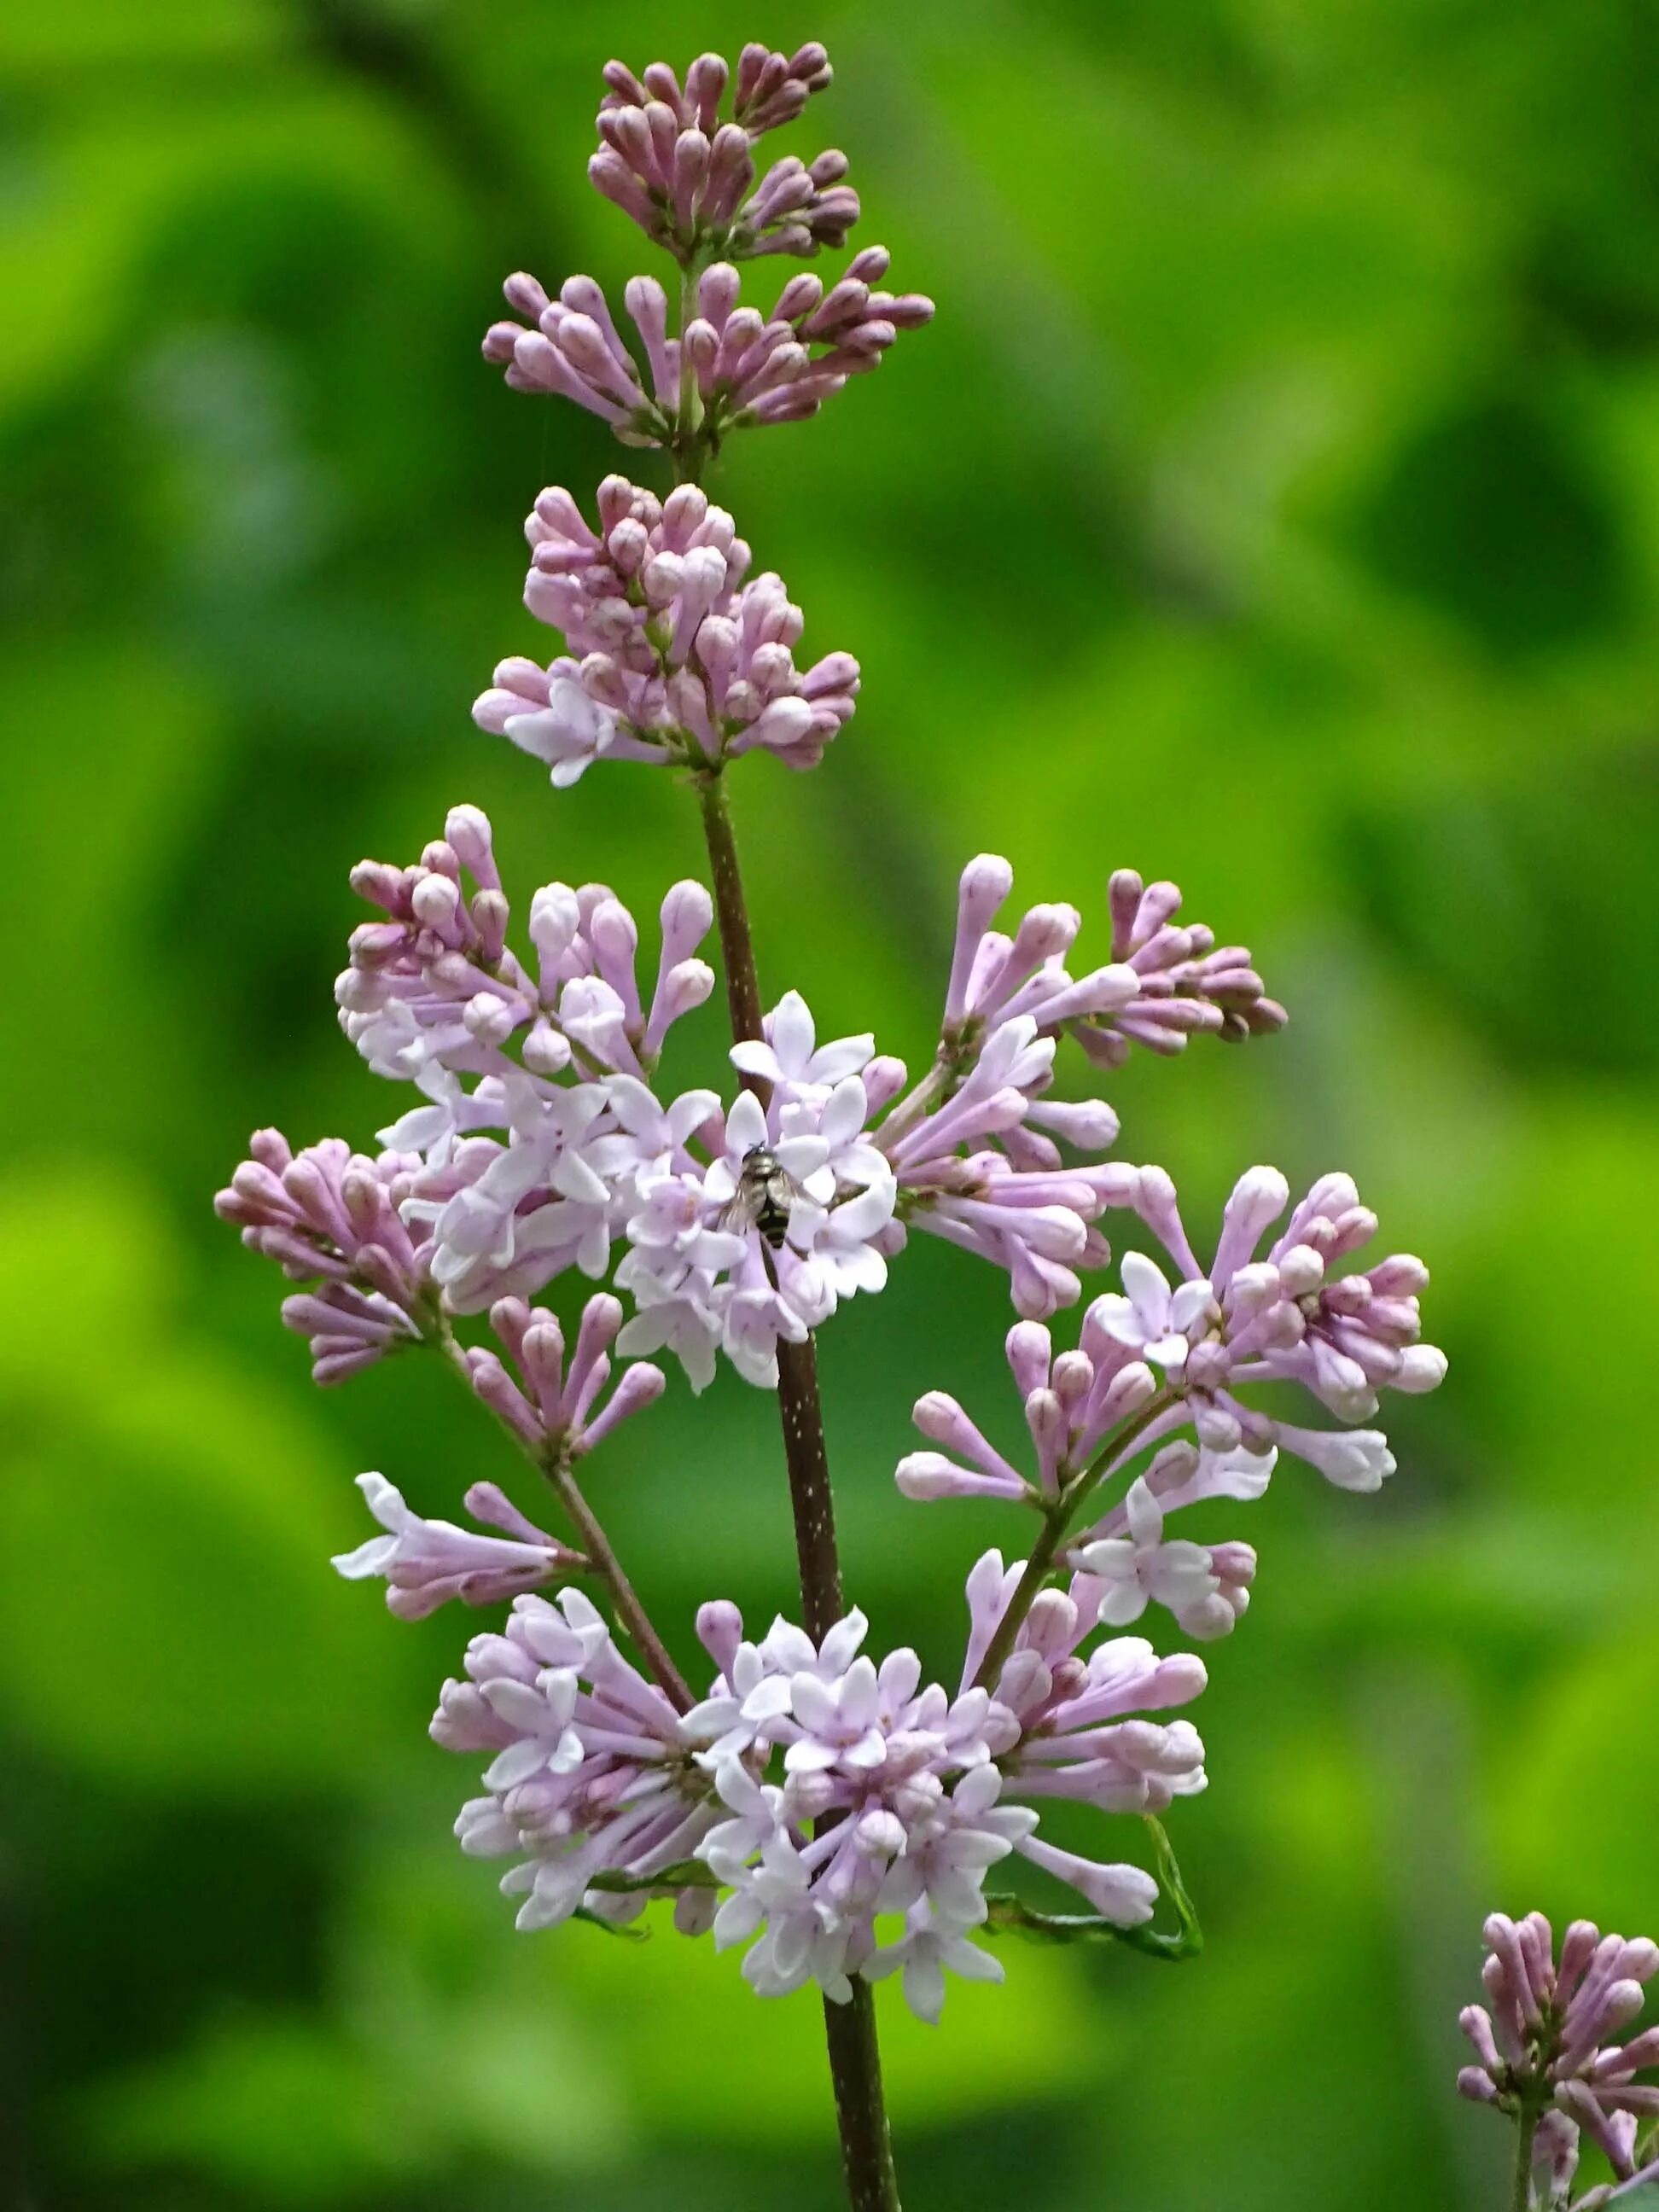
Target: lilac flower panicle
x=830, y=1814
x=1291, y=1316
x=820, y=1790
x=588, y=1776
x=1551, y=2047
x=685, y=176
x=675, y=659
x=1154, y=1359
x=435, y=992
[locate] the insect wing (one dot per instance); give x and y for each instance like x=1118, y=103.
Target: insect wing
x=741, y=1211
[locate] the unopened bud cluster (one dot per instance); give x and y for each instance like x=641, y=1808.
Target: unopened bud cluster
x=1554, y=2052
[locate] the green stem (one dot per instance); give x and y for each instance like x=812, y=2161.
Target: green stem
x=1520, y=2198
x=1031, y=1583
x=743, y=998
x=932, y=1091
x=1057, y=1520
x=606, y=1564
x=602, y=1558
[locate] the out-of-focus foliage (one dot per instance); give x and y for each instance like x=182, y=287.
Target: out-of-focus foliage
x=1275, y=504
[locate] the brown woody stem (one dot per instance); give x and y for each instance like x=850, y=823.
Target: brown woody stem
x=850, y=2029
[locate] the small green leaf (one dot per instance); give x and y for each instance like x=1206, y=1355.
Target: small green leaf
x=630, y=1931
x=685, y=1873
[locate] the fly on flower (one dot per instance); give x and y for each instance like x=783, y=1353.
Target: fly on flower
x=765, y=1198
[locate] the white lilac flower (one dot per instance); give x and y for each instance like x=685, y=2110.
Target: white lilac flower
x=673, y=656
x=1205, y=1588
x=924, y=1791
x=1550, y=2034
x=701, y=1277
x=588, y=1776
x=791, y=1056
x=923, y=1954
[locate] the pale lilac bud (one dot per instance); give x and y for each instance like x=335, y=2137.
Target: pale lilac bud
x=924, y=1476
x=720, y=1631
x=641, y=1384
x=1122, y=1894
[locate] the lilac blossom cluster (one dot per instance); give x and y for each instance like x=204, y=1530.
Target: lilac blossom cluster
x=541, y=1146
x=684, y=173
x=669, y=161
x=540, y=1143
x=1152, y=1360
x=334, y=1218
x=674, y=658
x=1553, y=2052
x=836, y=1817
x=811, y=1792
x=731, y=369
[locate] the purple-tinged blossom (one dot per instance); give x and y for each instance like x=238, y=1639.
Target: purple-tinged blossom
x=1552, y=2038
x=1187, y=985
x=890, y=1797
x=1289, y=1318
x=434, y=992
x=425, y=1563
x=330, y=1216
x=1162, y=984
x=702, y=1276
x=552, y=1403
x=686, y=174
x=957, y=1178
x=745, y=368
x=588, y=1776
x=905, y=1771
x=1063, y=1726
x=1071, y=1404
x=1206, y=1588
x=1162, y=1358
x=674, y=658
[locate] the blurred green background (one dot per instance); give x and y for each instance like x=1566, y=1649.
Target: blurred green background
x=1275, y=504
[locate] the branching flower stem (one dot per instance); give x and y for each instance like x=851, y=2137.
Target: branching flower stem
x=1521, y=2199
x=1057, y=1520
x=850, y=2028
x=554, y=1465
